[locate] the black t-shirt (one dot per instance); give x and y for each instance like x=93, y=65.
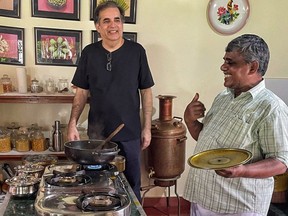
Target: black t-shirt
x=114, y=94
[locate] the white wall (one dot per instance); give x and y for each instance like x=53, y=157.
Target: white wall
x=183, y=51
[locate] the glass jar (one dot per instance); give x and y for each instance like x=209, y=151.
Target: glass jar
x=63, y=85
x=5, y=143
x=34, y=86
x=50, y=86
x=38, y=143
x=22, y=143
x=13, y=128
x=6, y=83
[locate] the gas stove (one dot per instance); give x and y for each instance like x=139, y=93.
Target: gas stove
x=73, y=189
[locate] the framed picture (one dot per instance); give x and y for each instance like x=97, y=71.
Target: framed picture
x=60, y=9
x=57, y=46
x=11, y=45
x=10, y=8
x=128, y=5
x=130, y=36
x=127, y=35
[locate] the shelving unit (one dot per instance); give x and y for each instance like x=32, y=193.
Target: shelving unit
x=34, y=98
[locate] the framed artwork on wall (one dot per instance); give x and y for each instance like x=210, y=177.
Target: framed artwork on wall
x=60, y=9
x=57, y=46
x=128, y=5
x=11, y=45
x=10, y=8
x=127, y=35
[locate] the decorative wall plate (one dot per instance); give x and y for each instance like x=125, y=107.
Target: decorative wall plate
x=219, y=158
x=227, y=16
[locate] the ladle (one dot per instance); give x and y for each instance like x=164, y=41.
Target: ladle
x=101, y=145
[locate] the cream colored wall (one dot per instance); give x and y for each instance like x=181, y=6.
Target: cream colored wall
x=183, y=51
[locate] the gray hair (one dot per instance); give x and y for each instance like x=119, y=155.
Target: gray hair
x=252, y=48
x=108, y=4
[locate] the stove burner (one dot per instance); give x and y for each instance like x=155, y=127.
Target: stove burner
x=68, y=179
x=99, y=201
x=100, y=167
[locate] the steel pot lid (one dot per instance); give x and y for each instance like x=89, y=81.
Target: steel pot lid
x=22, y=180
x=29, y=168
x=40, y=159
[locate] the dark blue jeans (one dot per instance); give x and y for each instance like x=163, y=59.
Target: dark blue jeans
x=131, y=150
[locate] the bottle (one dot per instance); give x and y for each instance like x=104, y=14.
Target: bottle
x=57, y=139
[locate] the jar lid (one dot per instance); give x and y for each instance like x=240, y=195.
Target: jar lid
x=4, y=133
x=34, y=80
x=13, y=125
x=5, y=77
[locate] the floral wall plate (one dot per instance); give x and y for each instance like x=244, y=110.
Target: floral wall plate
x=227, y=16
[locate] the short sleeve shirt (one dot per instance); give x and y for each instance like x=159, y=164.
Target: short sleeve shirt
x=114, y=94
x=257, y=121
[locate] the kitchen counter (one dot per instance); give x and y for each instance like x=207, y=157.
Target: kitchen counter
x=12, y=206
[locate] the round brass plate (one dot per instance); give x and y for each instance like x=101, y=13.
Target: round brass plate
x=219, y=158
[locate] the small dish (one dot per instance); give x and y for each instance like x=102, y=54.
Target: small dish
x=227, y=16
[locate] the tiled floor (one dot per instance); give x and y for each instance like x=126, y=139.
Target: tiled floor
x=158, y=207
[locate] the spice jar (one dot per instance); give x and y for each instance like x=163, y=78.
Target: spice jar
x=13, y=128
x=38, y=143
x=63, y=85
x=22, y=143
x=6, y=83
x=5, y=143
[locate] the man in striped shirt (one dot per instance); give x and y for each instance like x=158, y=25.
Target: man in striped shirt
x=247, y=116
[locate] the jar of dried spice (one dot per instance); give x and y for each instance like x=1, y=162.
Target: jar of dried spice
x=22, y=143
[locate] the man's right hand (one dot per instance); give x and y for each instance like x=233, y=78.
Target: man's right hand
x=194, y=110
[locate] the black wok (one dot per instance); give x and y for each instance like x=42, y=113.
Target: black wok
x=86, y=152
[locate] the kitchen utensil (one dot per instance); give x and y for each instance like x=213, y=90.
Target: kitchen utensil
x=101, y=146
x=23, y=185
x=86, y=151
x=219, y=158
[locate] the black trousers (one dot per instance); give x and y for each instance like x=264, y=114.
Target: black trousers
x=131, y=150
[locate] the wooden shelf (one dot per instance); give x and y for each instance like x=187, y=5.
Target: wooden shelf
x=14, y=155
x=36, y=98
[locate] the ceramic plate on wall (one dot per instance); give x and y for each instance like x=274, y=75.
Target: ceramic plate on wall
x=227, y=16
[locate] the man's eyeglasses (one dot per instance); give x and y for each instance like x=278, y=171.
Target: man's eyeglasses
x=109, y=64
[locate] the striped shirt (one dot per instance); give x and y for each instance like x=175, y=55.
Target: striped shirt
x=257, y=121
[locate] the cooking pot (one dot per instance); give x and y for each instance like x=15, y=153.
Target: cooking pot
x=86, y=152
x=23, y=185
